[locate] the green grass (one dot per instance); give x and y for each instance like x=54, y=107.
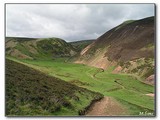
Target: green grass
x=33, y=93
x=122, y=87
x=44, y=48
x=23, y=49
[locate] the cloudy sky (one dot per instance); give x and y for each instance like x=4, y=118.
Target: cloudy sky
x=70, y=22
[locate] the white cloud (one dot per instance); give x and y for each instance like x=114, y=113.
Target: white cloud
x=70, y=21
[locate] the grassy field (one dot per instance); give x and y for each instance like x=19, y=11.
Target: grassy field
x=126, y=89
x=30, y=92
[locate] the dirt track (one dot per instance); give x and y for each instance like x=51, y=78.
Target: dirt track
x=106, y=107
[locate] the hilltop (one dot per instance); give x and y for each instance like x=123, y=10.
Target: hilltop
x=38, y=48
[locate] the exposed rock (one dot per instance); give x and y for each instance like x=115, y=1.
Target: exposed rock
x=117, y=69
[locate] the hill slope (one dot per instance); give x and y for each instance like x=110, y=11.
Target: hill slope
x=32, y=48
x=129, y=46
x=80, y=45
x=30, y=92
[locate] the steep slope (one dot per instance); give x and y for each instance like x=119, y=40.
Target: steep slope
x=30, y=92
x=129, y=46
x=32, y=48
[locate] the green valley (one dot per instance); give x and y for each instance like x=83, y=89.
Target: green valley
x=127, y=89
x=33, y=93
x=113, y=75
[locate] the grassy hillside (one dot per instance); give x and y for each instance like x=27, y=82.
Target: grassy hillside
x=30, y=92
x=129, y=90
x=32, y=48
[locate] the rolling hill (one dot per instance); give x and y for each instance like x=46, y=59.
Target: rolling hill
x=30, y=92
x=32, y=48
x=129, y=47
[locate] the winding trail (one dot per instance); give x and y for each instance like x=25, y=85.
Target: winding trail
x=107, y=106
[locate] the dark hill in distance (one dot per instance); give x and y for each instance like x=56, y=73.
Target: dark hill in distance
x=30, y=92
x=129, y=46
x=40, y=48
x=79, y=45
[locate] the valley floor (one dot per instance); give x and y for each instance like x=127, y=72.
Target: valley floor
x=125, y=95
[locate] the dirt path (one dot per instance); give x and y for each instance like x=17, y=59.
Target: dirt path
x=108, y=106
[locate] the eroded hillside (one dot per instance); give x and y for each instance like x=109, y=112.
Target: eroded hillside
x=129, y=46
